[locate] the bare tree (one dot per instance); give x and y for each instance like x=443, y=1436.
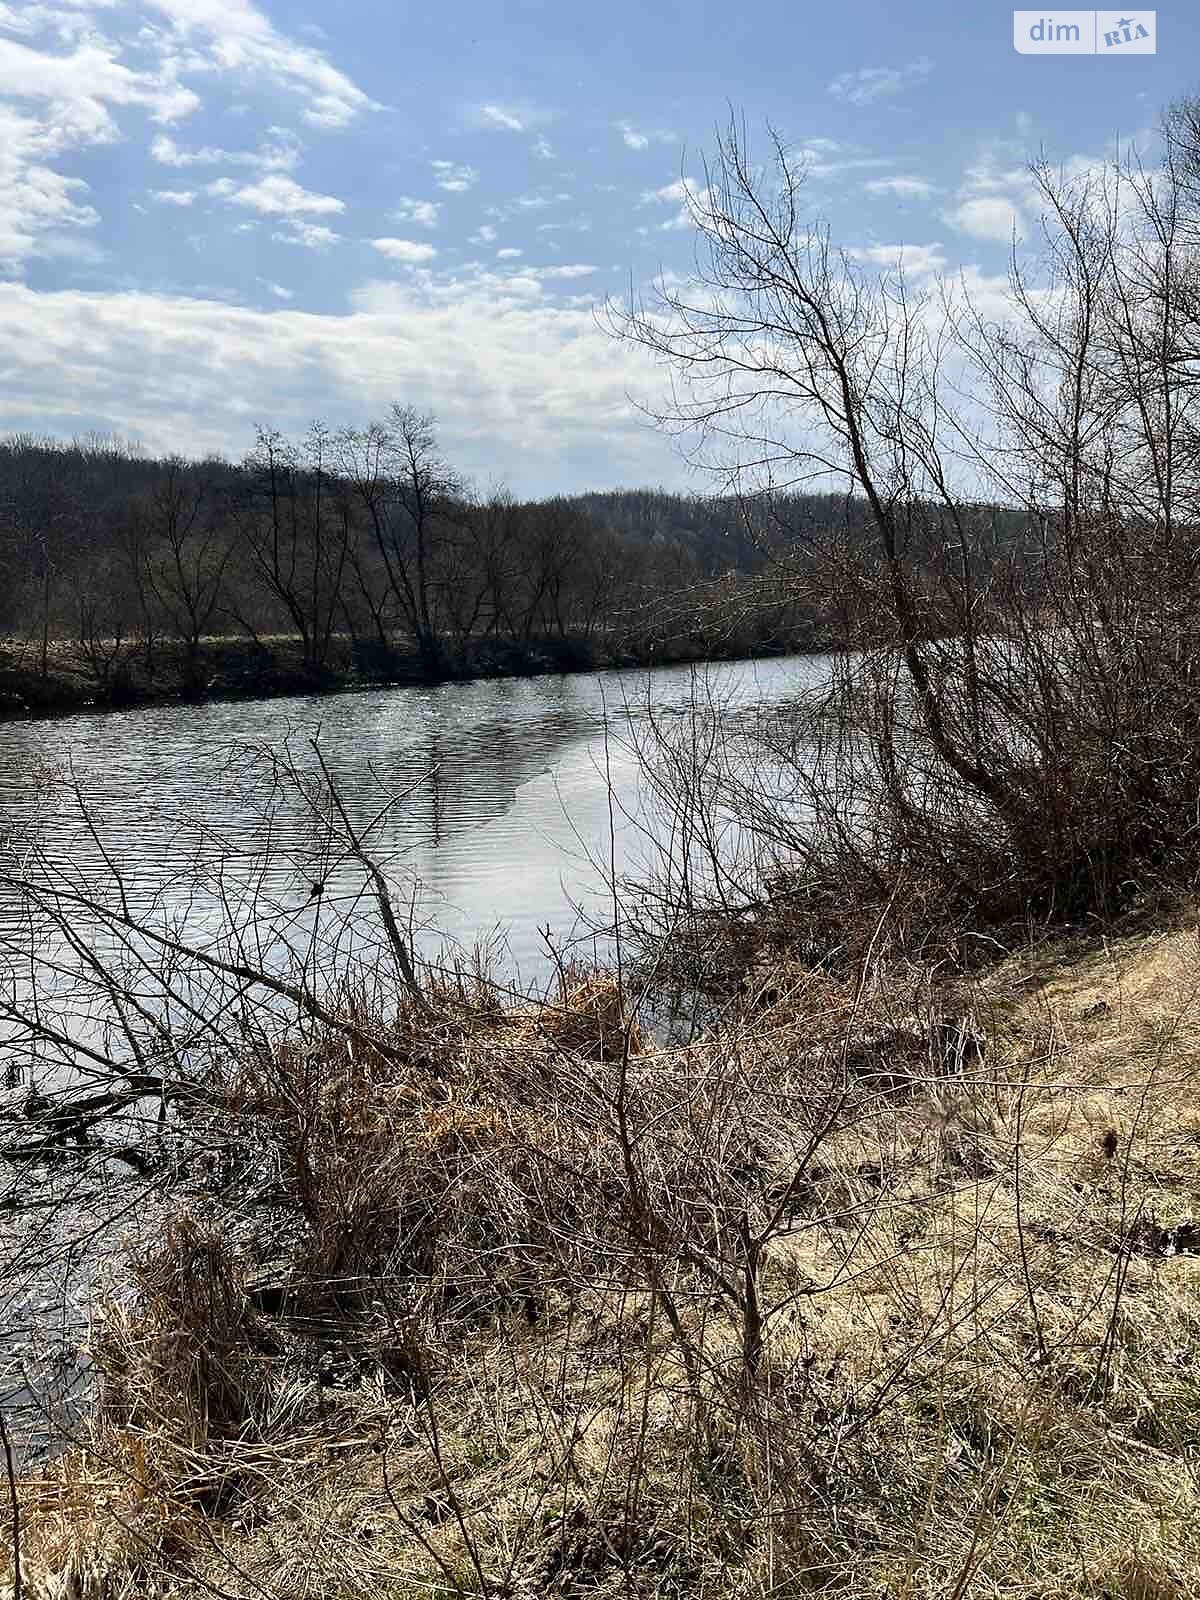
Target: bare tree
x=293, y=532
x=181, y=549
x=41, y=513
x=1008, y=698
x=412, y=500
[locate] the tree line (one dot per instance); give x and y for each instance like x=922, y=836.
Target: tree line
x=361, y=539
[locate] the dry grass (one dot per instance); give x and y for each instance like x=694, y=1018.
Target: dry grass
x=497, y=1344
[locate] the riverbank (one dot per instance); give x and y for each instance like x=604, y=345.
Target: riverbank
x=242, y=669
x=883, y=1289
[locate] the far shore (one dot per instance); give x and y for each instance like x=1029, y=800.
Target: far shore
x=270, y=668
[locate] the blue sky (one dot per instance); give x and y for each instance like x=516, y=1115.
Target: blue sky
x=216, y=214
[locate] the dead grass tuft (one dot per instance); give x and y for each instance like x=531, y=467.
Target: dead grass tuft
x=532, y=1306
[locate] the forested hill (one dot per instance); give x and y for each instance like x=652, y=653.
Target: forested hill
x=357, y=554
x=712, y=529
x=722, y=532
x=325, y=536
x=364, y=553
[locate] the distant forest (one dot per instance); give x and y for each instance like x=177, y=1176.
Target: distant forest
x=363, y=552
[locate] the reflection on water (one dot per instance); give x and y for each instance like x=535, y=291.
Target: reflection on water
x=503, y=831
x=506, y=812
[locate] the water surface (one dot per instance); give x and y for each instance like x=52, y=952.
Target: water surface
x=518, y=793
x=519, y=796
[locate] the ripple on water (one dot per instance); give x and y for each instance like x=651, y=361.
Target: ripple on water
x=506, y=816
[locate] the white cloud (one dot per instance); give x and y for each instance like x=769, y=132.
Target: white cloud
x=234, y=36
x=538, y=201
x=642, y=138
x=685, y=193
x=903, y=188
x=494, y=116
x=916, y=260
x=673, y=192
x=165, y=151
x=72, y=83
x=827, y=158
x=67, y=100
x=173, y=197
x=78, y=89
x=193, y=38
x=484, y=234
x=991, y=201
x=866, y=84
x=35, y=201
x=277, y=195
x=424, y=213
x=279, y=152
x=542, y=148
x=573, y=271
x=990, y=296
x=992, y=216
x=508, y=254
x=16, y=21
x=507, y=116
x=404, y=250
x=311, y=235
x=452, y=177
x=277, y=290
x=519, y=384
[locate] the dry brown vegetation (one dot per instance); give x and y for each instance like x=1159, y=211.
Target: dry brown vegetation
x=846, y=1296
x=886, y=1282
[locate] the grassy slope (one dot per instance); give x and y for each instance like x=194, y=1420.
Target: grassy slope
x=984, y=1378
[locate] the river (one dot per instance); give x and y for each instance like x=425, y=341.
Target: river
x=519, y=796
x=504, y=832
